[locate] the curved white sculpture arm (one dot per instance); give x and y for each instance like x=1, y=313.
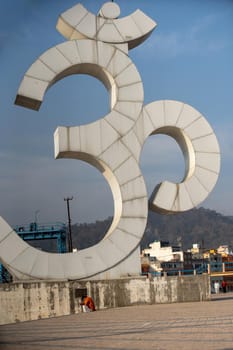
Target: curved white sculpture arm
x=200, y=149
x=105, y=62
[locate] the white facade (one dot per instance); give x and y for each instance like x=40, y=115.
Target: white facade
x=195, y=249
x=163, y=253
x=223, y=250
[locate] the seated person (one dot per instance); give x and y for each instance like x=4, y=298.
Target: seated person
x=87, y=304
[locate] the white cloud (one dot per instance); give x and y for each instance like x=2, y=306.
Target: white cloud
x=199, y=38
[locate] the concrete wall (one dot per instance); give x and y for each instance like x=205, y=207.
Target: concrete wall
x=22, y=301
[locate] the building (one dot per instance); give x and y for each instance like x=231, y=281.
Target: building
x=223, y=250
x=162, y=251
x=162, y=257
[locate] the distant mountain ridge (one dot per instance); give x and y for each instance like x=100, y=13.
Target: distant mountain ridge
x=204, y=226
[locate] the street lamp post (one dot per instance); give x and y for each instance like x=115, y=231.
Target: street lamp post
x=70, y=243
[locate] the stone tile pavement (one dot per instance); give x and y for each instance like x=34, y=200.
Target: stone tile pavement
x=198, y=325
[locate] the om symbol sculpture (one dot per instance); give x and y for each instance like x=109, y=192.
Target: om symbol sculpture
x=98, y=46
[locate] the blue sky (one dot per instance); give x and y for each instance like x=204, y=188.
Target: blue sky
x=187, y=58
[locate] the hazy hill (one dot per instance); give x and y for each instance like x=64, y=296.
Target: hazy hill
x=203, y=226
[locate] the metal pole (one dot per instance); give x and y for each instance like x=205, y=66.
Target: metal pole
x=70, y=243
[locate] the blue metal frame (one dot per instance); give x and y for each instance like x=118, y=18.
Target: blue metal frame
x=34, y=231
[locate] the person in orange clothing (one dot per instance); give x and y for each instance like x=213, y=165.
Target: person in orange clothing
x=87, y=304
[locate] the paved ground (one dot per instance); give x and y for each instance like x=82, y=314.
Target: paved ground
x=202, y=325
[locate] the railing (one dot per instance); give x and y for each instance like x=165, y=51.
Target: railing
x=185, y=272
x=34, y=227
x=219, y=268
x=213, y=269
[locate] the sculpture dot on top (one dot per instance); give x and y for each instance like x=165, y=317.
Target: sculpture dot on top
x=110, y=10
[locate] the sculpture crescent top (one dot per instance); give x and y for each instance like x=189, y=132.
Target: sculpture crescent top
x=79, y=23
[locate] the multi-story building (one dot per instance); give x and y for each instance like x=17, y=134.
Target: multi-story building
x=163, y=257
x=162, y=251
